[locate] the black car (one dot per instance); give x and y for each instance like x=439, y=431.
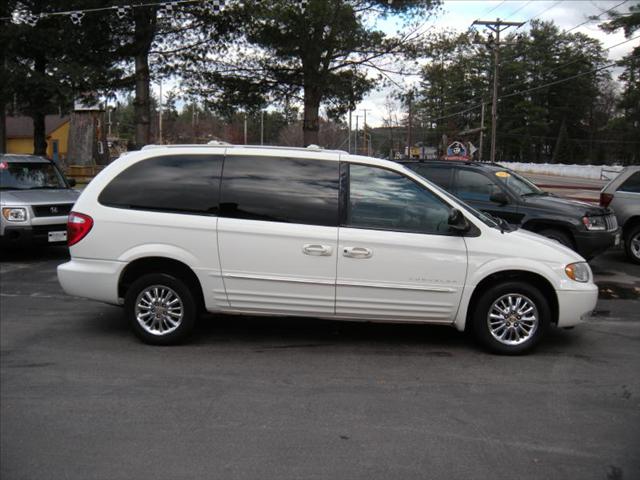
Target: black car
x=587, y=229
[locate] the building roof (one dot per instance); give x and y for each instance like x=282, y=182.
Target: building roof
x=22, y=126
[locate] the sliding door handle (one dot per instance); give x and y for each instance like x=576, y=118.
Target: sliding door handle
x=317, y=250
x=357, y=252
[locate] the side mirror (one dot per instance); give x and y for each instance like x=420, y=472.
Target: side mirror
x=72, y=182
x=457, y=222
x=499, y=197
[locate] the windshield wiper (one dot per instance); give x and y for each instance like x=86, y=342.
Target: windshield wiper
x=44, y=187
x=531, y=194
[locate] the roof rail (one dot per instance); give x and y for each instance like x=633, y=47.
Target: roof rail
x=217, y=143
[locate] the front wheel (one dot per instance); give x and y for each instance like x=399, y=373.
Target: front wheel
x=632, y=244
x=160, y=308
x=511, y=317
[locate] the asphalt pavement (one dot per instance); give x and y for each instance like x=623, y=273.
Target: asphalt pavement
x=277, y=398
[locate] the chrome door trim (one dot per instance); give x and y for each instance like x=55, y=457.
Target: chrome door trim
x=396, y=286
x=275, y=278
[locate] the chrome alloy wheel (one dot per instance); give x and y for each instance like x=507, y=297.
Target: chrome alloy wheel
x=159, y=310
x=513, y=319
x=635, y=245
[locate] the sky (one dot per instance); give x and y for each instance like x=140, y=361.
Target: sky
x=460, y=14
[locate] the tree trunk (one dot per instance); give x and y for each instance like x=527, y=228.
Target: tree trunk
x=142, y=104
x=39, y=134
x=3, y=127
x=145, y=26
x=38, y=114
x=311, y=123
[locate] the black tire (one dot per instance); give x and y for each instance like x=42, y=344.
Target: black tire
x=482, y=309
x=632, y=236
x=174, y=286
x=559, y=236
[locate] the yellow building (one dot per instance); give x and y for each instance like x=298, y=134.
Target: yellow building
x=20, y=135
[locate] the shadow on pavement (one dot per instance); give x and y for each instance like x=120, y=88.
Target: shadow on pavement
x=25, y=254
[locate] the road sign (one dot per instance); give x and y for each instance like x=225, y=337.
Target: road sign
x=456, y=151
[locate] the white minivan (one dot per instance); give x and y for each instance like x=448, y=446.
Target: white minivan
x=174, y=230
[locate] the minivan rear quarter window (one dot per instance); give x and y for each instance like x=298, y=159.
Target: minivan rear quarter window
x=173, y=183
x=279, y=189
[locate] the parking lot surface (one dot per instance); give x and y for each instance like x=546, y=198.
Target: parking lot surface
x=296, y=398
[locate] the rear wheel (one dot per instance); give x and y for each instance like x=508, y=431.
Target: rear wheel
x=632, y=244
x=160, y=308
x=511, y=317
x=558, y=236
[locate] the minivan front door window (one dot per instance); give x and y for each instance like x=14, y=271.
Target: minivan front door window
x=387, y=200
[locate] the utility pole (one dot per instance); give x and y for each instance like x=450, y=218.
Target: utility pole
x=355, y=138
x=364, y=129
x=481, y=131
x=349, y=141
x=245, y=128
x=409, y=140
x=496, y=26
x=159, y=115
x=261, y=127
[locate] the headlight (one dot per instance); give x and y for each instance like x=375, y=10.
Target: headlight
x=594, y=223
x=12, y=214
x=580, y=272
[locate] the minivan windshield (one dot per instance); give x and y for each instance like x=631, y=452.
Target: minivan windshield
x=518, y=184
x=30, y=176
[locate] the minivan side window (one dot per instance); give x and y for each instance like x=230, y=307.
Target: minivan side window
x=387, y=200
x=172, y=183
x=631, y=184
x=474, y=186
x=278, y=189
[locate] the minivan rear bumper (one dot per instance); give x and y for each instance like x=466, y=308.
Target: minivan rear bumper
x=575, y=306
x=89, y=278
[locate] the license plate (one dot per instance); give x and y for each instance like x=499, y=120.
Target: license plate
x=58, y=236
x=616, y=242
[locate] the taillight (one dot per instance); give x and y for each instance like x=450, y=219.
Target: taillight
x=78, y=225
x=605, y=199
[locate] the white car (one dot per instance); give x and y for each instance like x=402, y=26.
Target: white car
x=171, y=231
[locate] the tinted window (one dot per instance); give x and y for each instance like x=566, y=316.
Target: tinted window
x=631, y=184
x=382, y=199
x=30, y=176
x=178, y=183
x=291, y=190
x=474, y=186
x=439, y=175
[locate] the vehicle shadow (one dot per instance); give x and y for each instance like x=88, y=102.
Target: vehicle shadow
x=26, y=254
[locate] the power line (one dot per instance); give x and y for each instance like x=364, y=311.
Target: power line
x=596, y=17
x=517, y=10
x=494, y=8
x=555, y=4
x=576, y=60
x=528, y=90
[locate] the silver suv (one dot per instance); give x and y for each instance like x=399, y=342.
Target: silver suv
x=622, y=194
x=36, y=199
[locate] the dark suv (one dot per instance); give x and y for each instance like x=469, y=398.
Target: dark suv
x=501, y=192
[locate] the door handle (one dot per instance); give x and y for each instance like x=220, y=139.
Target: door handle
x=317, y=250
x=357, y=252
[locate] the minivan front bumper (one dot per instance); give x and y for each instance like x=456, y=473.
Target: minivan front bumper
x=575, y=306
